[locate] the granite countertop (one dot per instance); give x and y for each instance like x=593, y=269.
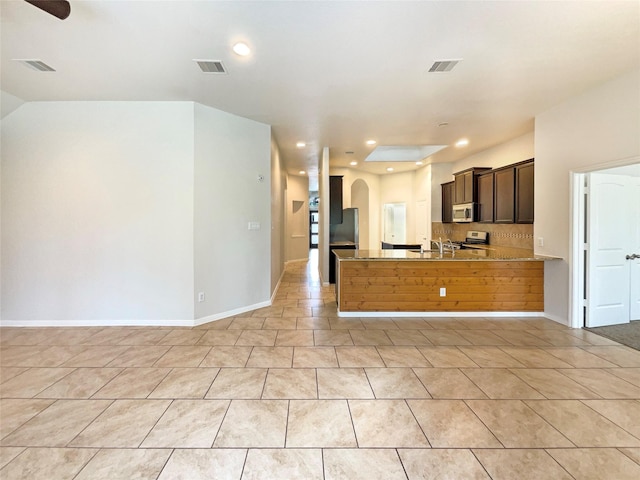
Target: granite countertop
x=491, y=253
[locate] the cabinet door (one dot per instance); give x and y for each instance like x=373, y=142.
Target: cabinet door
x=504, y=193
x=463, y=188
x=524, y=193
x=335, y=200
x=447, y=202
x=485, y=198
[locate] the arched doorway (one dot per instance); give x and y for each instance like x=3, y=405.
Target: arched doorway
x=360, y=200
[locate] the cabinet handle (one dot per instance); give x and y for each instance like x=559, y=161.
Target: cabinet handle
x=633, y=256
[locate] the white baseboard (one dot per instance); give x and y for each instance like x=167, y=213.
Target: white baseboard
x=441, y=314
x=230, y=313
x=97, y=323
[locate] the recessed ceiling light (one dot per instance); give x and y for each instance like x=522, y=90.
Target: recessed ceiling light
x=389, y=169
x=463, y=142
x=241, y=49
x=418, y=163
x=371, y=142
x=301, y=144
x=302, y=172
x=353, y=163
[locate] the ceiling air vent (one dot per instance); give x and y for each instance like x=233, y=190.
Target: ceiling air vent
x=211, y=66
x=38, y=65
x=443, y=66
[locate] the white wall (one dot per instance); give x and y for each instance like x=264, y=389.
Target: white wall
x=278, y=182
x=596, y=128
x=97, y=212
x=399, y=188
x=232, y=263
x=323, y=210
x=297, y=215
x=8, y=103
x=440, y=173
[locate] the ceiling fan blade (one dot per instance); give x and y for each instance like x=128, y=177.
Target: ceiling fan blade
x=57, y=8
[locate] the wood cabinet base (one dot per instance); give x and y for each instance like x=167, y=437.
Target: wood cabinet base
x=407, y=286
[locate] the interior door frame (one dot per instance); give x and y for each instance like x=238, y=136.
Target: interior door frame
x=577, y=267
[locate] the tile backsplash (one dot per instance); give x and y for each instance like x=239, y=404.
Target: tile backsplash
x=506, y=235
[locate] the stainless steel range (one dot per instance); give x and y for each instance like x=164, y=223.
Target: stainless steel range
x=474, y=238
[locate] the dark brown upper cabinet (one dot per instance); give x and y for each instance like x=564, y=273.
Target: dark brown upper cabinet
x=504, y=190
x=485, y=198
x=447, y=201
x=466, y=185
x=335, y=199
x=524, y=173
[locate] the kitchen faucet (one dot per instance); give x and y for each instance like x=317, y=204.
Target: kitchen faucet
x=439, y=244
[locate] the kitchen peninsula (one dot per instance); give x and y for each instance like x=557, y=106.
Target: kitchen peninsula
x=406, y=282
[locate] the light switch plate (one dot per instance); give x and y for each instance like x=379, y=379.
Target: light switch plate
x=254, y=225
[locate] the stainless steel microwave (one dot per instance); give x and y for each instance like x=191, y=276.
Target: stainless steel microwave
x=463, y=213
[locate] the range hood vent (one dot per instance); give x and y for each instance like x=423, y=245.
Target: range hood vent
x=38, y=65
x=211, y=66
x=441, y=66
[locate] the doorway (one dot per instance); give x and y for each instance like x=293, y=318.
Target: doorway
x=606, y=247
x=395, y=222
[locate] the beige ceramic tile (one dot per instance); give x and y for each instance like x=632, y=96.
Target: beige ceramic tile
x=294, y=312
x=343, y=383
x=407, y=337
x=446, y=357
x=221, y=324
x=558, y=338
x=15, y=412
x=521, y=338
x=358, y=357
x=411, y=324
x=631, y=375
x=446, y=324
x=254, y=423
x=31, y=382
x=597, y=463
x=624, y=413
x=370, y=337
x=124, y=424
x=332, y=337
x=53, y=356
x=183, y=356
x=271, y=357
x=315, y=357
x=552, y=384
x=402, y=357
x=532, y=357
x=395, y=383
x=234, y=383
x=139, y=356
x=227, y=357
x=185, y=383
x=379, y=324
x=9, y=372
x=81, y=383
x=320, y=423
x=182, y=337
x=96, y=356
x=491, y=357
x=9, y=453
x=632, y=453
x=345, y=324
x=579, y=358
x=279, y=323
x=144, y=337
x=109, y=464
x=220, y=337
x=481, y=337
x=284, y=463
x=441, y=464
x=582, y=425
x=500, y=383
x=311, y=323
x=362, y=464
x=199, y=464
x=21, y=355
x=247, y=323
x=188, y=424
x=108, y=336
x=133, y=383
x=47, y=463
x=516, y=425
x=451, y=424
x=290, y=383
x=619, y=355
x=58, y=424
x=603, y=383
x=445, y=337
x=371, y=420
x=508, y=464
x=294, y=338
x=448, y=383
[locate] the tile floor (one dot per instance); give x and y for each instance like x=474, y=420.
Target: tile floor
x=294, y=392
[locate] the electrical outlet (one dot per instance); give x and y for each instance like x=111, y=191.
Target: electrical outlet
x=540, y=241
x=201, y=297
x=443, y=292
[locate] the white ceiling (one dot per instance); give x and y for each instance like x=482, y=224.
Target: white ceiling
x=332, y=73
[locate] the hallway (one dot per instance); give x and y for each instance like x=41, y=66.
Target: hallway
x=294, y=392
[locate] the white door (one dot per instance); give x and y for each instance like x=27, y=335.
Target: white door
x=422, y=224
x=395, y=215
x=609, y=240
x=635, y=249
